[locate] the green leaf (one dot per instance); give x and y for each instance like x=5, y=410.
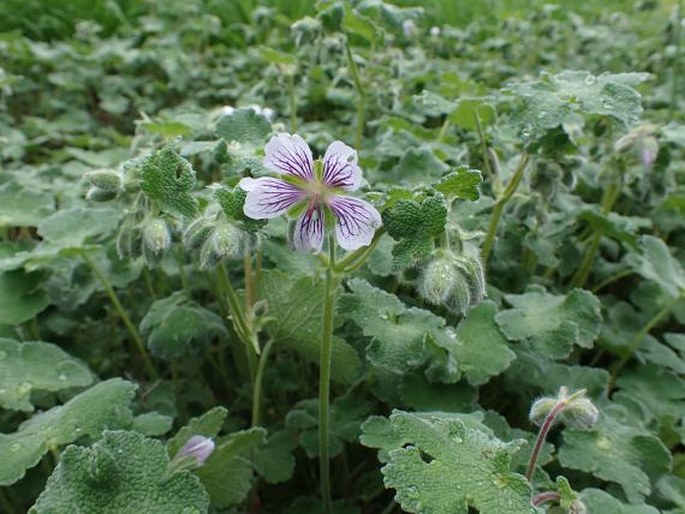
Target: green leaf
x=295, y=308
x=552, y=324
x=72, y=228
x=22, y=207
x=400, y=334
x=359, y=25
x=175, y=325
x=621, y=228
x=232, y=201
x=558, y=99
x=441, y=466
x=275, y=462
x=244, y=126
x=346, y=414
x=208, y=425
x=616, y=452
x=230, y=459
x=655, y=263
x=21, y=297
x=464, y=114
x=152, y=424
x=461, y=183
x=276, y=57
x=103, y=406
x=168, y=179
x=36, y=366
x=414, y=225
x=478, y=345
x=123, y=473
x=602, y=502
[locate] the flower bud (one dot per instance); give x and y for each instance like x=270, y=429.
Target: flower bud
x=577, y=507
x=461, y=294
x=96, y=194
x=192, y=455
x=409, y=28
x=129, y=240
x=225, y=242
x=436, y=282
x=541, y=409
x=107, y=180
x=435, y=31
x=580, y=413
x=199, y=447
x=197, y=233
x=475, y=272
x=156, y=240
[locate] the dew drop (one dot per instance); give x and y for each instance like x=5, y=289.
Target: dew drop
x=15, y=447
x=62, y=376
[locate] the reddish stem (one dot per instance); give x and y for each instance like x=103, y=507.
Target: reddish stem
x=542, y=436
x=549, y=496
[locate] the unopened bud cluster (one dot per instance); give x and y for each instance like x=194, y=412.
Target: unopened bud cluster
x=575, y=410
x=149, y=237
x=105, y=185
x=455, y=280
x=217, y=238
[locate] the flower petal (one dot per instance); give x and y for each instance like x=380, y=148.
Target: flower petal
x=269, y=197
x=308, y=235
x=340, y=167
x=289, y=154
x=356, y=221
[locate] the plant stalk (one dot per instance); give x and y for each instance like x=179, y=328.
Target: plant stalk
x=547, y=496
x=499, y=206
x=257, y=392
x=542, y=437
x=675, y=71
x=361, y=106
x=325, y=377
x=635, y=341
x=132, y=330
x=292, y=103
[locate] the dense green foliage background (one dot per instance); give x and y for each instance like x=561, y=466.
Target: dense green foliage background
x=548, y=138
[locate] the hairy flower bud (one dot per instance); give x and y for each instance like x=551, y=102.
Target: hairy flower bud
x=197, y=233
x=156, y=240
x=96, y=194
x=475, y=272
x=107, y=180
x=436, y=282
x=225, y=242
x=129, y=240
x=580, y=413
x=193, y=454
x=541, y=409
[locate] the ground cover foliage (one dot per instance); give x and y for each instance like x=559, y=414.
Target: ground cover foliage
x=509, y=340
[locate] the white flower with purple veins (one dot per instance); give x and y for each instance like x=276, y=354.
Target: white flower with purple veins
x=314, y=191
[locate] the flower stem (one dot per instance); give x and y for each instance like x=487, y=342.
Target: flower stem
x=611, y=194
x=675, y=70
x=635, y=342
x=325, y=377
x=499, y=206
x=357, y=258
x=238, y=318
x=547, y=496
x=542, y=436
x=132, y=330
x=257, y=393
x=292, y=103
x=361, y=105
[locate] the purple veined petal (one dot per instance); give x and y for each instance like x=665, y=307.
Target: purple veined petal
x=308, y=235
x=356, y=221
x=269, y=197
x=289, y=154
x=340, y=167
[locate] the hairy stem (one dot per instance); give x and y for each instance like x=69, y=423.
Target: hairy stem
x=611, y=194
x=675, y=71
x=257, y=391
x=361, y=105
x=357, y=258
x=635, y=341
x=132, y=330
x=292, y=103
x=499, y=206
x=325, y=377
x=542, y=436
x=546, y=497
x=239, y=322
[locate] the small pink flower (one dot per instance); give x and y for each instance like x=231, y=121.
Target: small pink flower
x=317, y=190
